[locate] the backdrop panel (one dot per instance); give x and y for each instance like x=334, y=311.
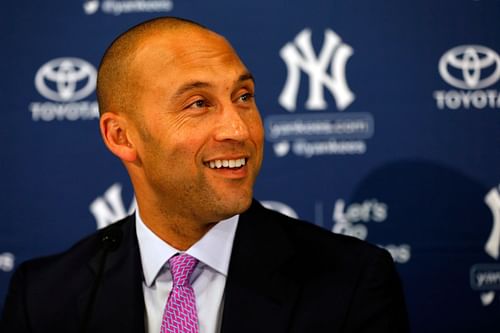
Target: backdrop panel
x=382, y=122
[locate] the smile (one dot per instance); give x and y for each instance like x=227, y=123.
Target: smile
x=217, y=164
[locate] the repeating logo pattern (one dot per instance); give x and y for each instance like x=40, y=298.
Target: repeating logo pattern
x=471, y=69
x=118, y=7
x=65, y=82
x=309, y=135
x=300, y=55
x=109, y=207
x=350, y=219
x=485, y=277
x=354, y=220
x=66, y=79
x=280, y=207
x=471, y=62
x=180, y=314
x=7, y=261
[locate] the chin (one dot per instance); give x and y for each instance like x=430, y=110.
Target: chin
x=245, y=204
x=228, y=209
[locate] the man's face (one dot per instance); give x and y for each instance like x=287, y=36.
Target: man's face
x=200, y=136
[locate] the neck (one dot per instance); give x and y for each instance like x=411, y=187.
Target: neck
x=171, y=221
x=178, y=234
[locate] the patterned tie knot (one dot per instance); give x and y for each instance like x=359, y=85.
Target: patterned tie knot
x=182, y=266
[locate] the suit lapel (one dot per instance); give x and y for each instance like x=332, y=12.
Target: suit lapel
x=119, y=305
x=259, y=294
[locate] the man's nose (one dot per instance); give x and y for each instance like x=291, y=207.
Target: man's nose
x=232, y=125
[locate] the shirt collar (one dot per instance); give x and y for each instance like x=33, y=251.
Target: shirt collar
x=213, y=249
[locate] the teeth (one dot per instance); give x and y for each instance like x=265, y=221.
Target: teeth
x=217, y=164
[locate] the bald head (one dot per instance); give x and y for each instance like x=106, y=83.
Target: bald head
x=174, y=99
x=116, y=83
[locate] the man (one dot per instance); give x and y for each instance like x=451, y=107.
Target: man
x=177, y=107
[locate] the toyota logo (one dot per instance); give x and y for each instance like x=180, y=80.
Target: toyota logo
x=470, y=67
x=66, y=79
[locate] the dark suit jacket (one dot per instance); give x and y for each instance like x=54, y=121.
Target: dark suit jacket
x=284, y=276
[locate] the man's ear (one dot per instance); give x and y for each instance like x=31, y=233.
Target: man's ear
x=115, y=131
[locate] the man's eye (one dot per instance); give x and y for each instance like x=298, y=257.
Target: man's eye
x=246, y=97
x=201, y=103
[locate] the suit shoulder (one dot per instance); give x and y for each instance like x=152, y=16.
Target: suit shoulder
x=321, y=242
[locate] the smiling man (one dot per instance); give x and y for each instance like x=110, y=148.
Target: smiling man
x=199, y=254
x=189, y=134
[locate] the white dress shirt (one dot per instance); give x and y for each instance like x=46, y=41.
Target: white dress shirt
x=213, y=252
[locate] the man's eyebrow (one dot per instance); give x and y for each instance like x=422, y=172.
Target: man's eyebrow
x=200, y=84
x=190, y=86
x=246, y=76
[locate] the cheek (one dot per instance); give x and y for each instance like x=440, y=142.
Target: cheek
x=184, y=150
x=178, y=137
x=256, y=129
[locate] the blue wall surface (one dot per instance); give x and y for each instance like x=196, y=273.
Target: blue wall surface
x=382, y=121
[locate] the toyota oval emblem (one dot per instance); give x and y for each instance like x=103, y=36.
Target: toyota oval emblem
x=470, y=67
x=66, y=79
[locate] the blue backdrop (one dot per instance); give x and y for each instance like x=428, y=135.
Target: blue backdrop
x=382, y=121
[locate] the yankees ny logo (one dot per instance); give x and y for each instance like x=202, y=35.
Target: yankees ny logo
x=300, y=55
x=110, y=208
x=492, y=246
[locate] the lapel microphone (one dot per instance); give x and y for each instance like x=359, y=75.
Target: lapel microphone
x=110, y=241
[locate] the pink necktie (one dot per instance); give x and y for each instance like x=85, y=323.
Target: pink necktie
x=180, y=314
